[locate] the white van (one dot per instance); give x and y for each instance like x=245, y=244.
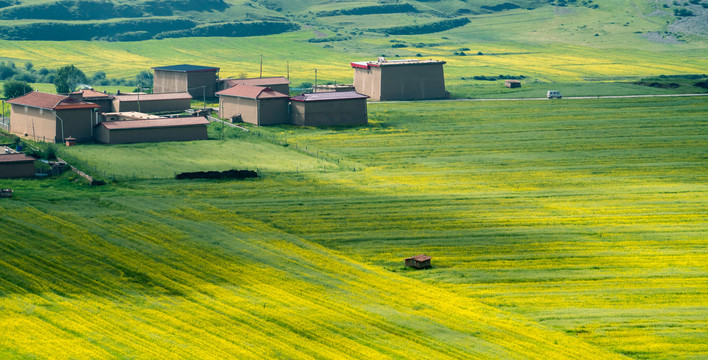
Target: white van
x=554, y=94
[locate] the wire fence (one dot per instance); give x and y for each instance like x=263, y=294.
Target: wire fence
x=4, y=123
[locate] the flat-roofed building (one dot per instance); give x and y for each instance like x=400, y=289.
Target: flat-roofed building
x=279, y=83
x=16, y=166
x=254, y=105
x=198, y=81
x=154, y=130
x=152, y=103
x=410, y=79
x=329, y=109
x=51, y=117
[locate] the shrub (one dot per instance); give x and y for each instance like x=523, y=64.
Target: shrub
x=14, y=88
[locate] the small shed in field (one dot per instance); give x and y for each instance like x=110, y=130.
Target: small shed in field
x=155, y=130
x=279, y=83
x=254, y=104
x=512, y=84
x=152, y=103
x=16, y=166
x=329, y=109
x=419, y=261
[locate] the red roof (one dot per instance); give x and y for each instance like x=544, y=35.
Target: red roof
x=251, y=92
x=420, y=258
x=153, y=97
x=91, y=94
x=329, y=96
x=51, y=101
x=10, y=158
x=154, y=123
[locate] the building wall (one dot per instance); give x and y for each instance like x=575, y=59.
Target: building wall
x=36, y=123
x=274, y=111
x=169, y=82
x=152, y=106
x=78, y=123
x=106, y=105
x=412, y=82
x=127, y=136
x=368, y=82
x=281, y=88
x=195, y=81
x=230, y=106
x=17, y=170
x=401, y=82
x=329, y=113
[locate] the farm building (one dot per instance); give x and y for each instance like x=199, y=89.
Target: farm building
x=198, y=81
x=105, y=101
x=419, y=261
x=279, y=84
x=254, y=104
x=411, y=79
x=155, y=130
x=50, y=117
x=16, y=166
x=329, y=109
x=512, y=84
x=152, y=103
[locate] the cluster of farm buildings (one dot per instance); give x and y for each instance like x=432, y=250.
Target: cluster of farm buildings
x=91, y=116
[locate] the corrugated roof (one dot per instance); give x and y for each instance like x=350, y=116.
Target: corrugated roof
x=329, y=96
x=154, y=123
x=153, y=97
x=51, y=101
x=10, y=158
x=267, y=81
x=251, y=92
x=186, y=68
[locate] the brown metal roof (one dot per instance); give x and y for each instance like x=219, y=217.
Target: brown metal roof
x=91, y=94
x=153, y=97
x=329, y=96
x=251, y=92
x=15, y=158
x=421, y=258
x=51, y=101
x=154, y=123
x=279, y=80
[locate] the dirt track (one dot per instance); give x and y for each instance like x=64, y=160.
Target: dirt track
x=565, y=98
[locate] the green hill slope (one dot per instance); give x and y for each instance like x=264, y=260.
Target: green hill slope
x=86, y=19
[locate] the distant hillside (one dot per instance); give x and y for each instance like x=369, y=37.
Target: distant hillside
x=121, y=20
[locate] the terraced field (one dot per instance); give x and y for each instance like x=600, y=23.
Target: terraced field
x=557, y=229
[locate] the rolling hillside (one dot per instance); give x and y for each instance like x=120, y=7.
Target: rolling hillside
x=563, y=230
x=117, y=20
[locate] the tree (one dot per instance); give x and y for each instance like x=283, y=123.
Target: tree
x=144, y=79
x=13, y=88
x=68, y=78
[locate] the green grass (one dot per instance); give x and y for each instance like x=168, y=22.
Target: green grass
x=138, y=161
x=558, y=229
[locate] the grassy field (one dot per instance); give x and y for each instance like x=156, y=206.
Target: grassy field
x=571, y=229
